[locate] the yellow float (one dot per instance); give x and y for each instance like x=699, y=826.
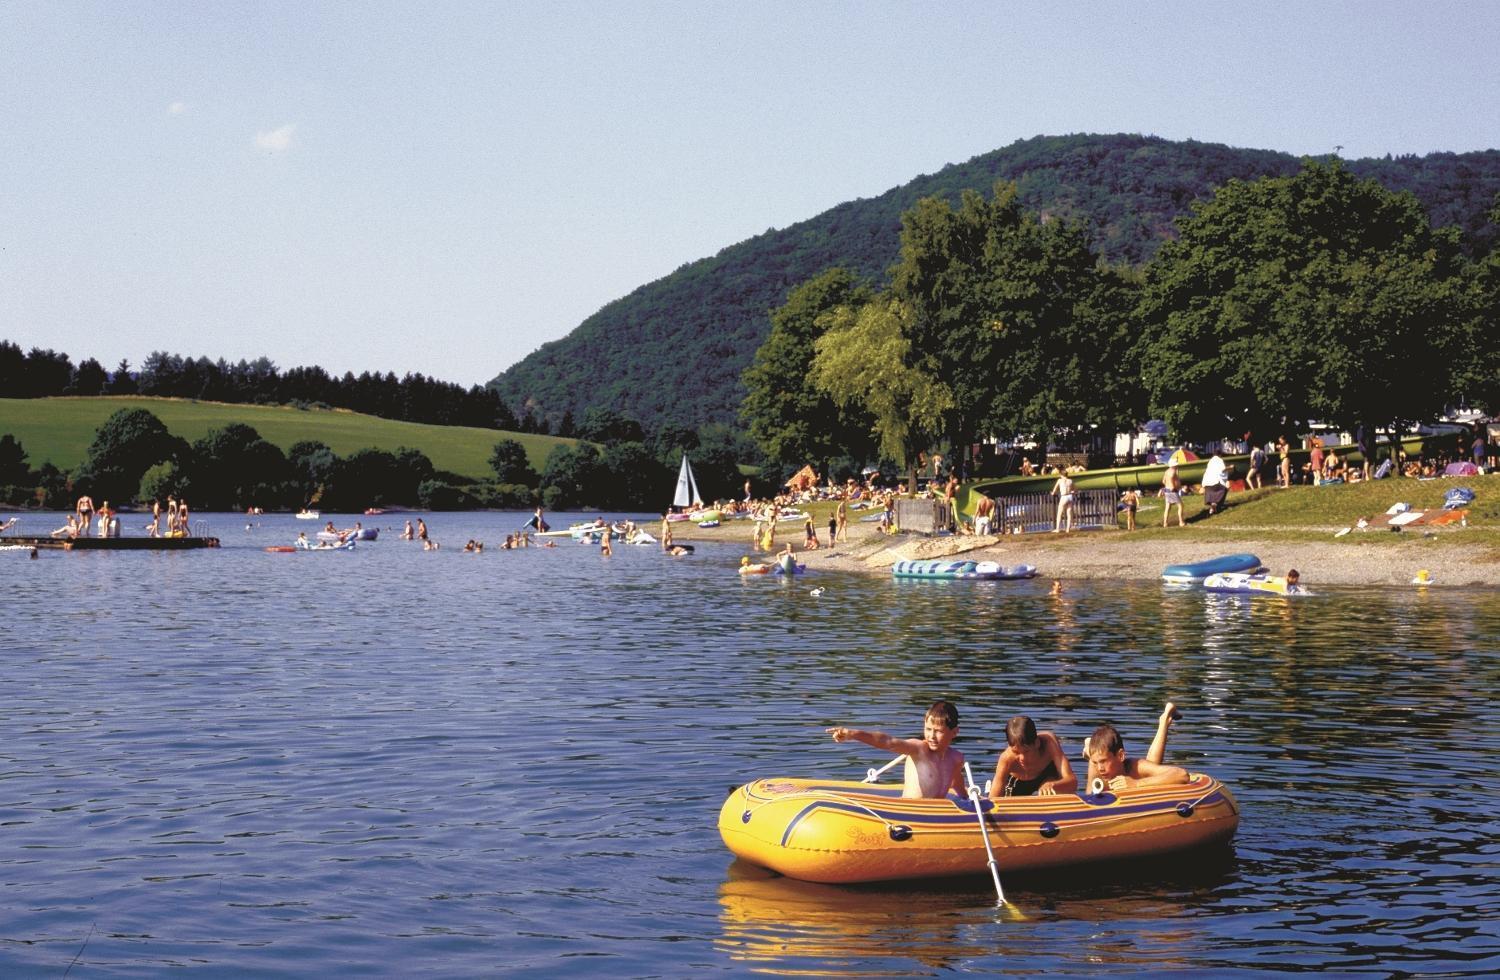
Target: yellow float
x=844, y=831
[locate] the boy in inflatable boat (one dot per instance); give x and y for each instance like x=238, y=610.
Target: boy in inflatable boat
x=933, y=766
x=1105, y=752
x=1033, y=763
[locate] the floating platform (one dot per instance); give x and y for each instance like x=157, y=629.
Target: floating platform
x=109, y=544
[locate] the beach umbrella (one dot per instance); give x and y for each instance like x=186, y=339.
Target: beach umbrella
x=1182, y=456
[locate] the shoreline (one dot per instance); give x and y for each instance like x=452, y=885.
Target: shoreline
x=1371, y=558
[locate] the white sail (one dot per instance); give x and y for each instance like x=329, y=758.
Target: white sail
x=687, y=487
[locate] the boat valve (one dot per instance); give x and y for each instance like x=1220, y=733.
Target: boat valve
x=1184, y=810
x=900, y=832
x=1048, y=830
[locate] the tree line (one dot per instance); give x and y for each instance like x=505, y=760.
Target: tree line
x=41, y=373
x=1317, y=295
x=134, y=458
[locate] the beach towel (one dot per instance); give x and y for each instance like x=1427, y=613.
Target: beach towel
x=1458, y=497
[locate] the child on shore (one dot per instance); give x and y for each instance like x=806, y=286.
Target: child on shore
x=1130, y=499
x=1105, y=751
x=933, y=766
x=1033, y=763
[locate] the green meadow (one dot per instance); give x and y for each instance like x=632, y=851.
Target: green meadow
x=60, y=430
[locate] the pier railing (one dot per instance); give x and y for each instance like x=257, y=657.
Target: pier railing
x=1027, y=512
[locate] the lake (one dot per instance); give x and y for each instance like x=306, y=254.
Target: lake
x=391, y=761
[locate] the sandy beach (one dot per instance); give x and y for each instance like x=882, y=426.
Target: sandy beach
x=1361, y=558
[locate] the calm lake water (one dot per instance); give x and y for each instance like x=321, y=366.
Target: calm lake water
x=392, y=761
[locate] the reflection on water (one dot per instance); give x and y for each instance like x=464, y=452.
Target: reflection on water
x=394, y=760
x=927, y=927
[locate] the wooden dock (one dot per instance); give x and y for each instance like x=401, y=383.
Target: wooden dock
x=109, y=544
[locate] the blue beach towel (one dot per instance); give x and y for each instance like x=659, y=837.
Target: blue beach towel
x=1458, y=497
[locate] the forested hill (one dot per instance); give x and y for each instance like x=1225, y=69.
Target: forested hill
x=673, y=350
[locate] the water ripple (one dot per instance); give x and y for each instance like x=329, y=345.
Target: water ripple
x=394, y=761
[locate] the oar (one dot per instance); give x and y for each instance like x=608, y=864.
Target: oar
x=875, y=774
x=984, y=833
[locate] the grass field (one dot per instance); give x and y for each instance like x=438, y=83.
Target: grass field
x=61, y=429
x=1335, y=506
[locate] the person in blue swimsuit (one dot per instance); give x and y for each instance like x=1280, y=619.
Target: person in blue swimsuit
x=1033, y=763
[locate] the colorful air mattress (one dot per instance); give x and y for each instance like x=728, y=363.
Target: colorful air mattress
x=1197, y=571
x=1242, y=582
x=950, y=569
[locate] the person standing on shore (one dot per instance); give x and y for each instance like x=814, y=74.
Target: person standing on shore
x=841, y=512
x=984, y=515
x=1284, y=470
x=1171, y=491
x=1130, y=500
x=1063, y=490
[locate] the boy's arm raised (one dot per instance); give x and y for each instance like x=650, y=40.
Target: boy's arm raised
x=879, y=740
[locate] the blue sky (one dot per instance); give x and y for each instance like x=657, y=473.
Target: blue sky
x=442, y=187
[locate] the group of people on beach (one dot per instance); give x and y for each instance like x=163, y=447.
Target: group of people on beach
x=1033, y=763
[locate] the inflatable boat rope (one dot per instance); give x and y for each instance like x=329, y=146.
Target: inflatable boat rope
x=902, y=832
x=898, y=832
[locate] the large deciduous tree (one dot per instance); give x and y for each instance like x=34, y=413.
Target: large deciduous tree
x=129, y=442
x=1014, y=315
x=511, y=464
x=1311, y=296
x=863, y=361
x=789, y=417
x=233, y=468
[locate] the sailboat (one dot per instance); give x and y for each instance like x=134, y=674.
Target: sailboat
x=687, y=488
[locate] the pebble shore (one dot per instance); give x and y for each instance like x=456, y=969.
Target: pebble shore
x=1362, y=558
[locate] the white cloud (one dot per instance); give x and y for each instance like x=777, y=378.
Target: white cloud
x=177, y=108
x=275, y=140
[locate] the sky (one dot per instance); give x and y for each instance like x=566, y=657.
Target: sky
x=442, y=187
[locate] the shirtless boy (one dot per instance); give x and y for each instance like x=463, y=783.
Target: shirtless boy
x=933, y=766
x=1032, y=764
x=1105, y=751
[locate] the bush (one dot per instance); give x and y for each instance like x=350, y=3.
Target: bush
x=505, y=496
x=437, y=495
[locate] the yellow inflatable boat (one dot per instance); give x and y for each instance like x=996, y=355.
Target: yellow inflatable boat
x=842, y=832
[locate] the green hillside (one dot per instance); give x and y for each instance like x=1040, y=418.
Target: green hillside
x=673, y=350
x=60, y=430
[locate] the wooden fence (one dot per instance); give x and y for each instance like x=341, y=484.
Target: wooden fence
x=924, y=515
x=1028, y=512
